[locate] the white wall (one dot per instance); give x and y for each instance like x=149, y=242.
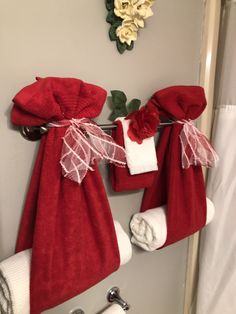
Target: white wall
x=70, y=38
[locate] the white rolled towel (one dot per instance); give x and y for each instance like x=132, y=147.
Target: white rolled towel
x=124, y=244
x=149, y=228
x=140, y=158
x=14, y=278
x=114, y=309
x=15, y=275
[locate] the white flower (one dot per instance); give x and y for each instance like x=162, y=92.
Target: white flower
x=135, y=10
x=123, y=8
x=141, y=10
x=127, y=32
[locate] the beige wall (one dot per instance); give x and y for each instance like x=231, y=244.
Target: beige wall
x=69, y=38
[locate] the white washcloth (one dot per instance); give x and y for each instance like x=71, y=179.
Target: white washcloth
x=124, y=244
x=149, y=228
x=15, y=276
x=140, y=157
x=114, y=309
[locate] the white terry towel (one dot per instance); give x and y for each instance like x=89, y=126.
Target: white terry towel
x=124, y=244
x=149, y=228
x=114, y=309
x=15, y=276
x=140, y=157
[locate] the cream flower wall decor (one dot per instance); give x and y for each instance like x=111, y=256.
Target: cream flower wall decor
x=126, y=18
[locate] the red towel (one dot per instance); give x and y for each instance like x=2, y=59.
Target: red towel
x=181, y=189
x=121, y=179
x=69, y=226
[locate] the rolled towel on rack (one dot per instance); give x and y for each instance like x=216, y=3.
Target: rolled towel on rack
x=124, y=244
x=14, y=279
x=149, y=228
x=15, y=275
x=114, y=309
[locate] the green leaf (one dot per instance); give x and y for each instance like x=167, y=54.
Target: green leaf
x=112, y=31
x=113, y=19
x=110, y=4
x=121, y=47
x=131, y=46
x=118, y=98
x=133, y=105
x=118, y=113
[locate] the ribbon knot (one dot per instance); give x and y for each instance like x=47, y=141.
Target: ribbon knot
x=196, y=149
x=83, y=144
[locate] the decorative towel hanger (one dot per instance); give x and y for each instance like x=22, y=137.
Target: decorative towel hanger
x=34, y=133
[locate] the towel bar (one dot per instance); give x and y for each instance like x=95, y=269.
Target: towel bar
x=113, y=295
x=34, y=133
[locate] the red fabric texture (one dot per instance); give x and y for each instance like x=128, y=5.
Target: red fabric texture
x=68, y=226
x=121, y=179
x=183, y=190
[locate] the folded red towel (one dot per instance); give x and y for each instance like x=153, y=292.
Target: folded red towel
x=181, y=189
x=121, y=179
x=69, y=226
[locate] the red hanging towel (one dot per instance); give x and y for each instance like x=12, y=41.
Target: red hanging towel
x=182, y=189
x=68, y=225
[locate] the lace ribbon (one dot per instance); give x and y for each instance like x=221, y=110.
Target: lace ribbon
x=196, y=149
x=83, y=143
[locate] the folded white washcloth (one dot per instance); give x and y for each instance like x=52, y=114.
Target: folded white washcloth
x=149, y=228
x=14, y=277
x=140, y=157
x=124, y=244
x=114, y=309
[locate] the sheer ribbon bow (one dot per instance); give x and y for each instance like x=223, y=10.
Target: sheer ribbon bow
x=83, y=144
x=196, y=149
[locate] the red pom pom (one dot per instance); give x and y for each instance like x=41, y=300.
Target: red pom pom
x=143, y=123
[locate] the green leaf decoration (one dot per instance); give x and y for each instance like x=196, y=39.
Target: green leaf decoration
x=117, y=113
x=112, y=31
x=110, y=4
x=118, y=98
x=133, y=105
x=112, y=18
x=119, y=107
x=121, y=46
x=131, y=46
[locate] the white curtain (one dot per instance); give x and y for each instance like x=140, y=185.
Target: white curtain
x=217, y=277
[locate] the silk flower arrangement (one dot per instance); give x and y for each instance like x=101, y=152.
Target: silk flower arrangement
x=126, y=18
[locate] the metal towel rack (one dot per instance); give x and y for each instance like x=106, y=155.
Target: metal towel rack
x=113, y=295
x=34, y=133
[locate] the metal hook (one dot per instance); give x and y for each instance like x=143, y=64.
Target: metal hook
x=113, y=295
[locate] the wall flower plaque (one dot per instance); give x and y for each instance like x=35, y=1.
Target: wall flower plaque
x=126, y=18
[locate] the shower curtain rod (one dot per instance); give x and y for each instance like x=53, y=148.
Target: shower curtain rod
x=34, y=133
